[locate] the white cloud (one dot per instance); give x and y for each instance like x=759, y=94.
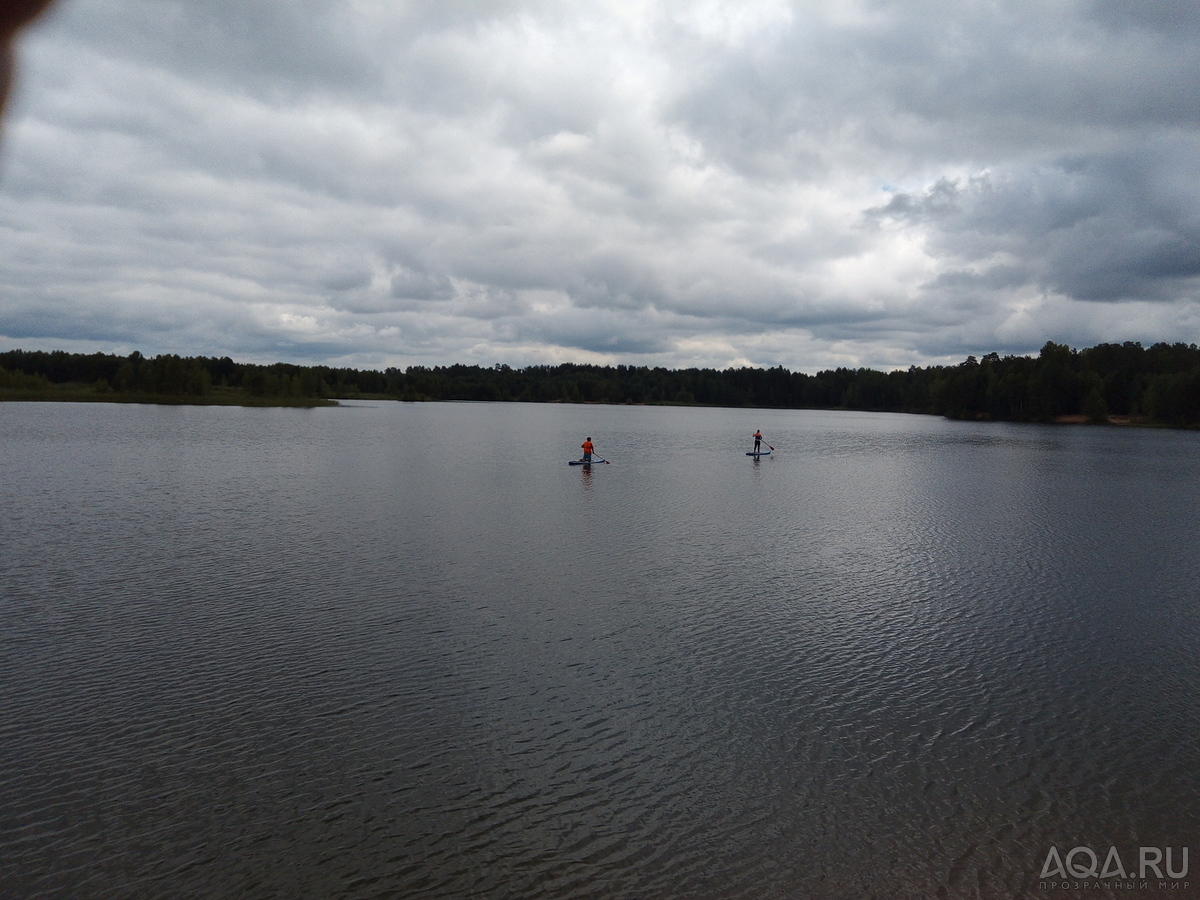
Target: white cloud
x=764, y=182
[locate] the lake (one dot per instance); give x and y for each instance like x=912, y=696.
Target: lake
x=405, y=650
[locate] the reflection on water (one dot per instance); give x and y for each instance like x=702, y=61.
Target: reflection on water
x=585, y=476
x=345, y=653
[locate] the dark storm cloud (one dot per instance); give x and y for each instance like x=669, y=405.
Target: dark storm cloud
x=421, y=286
x=249, y=45
x=1105, y=228
x=1172, y=20
x=594, y=332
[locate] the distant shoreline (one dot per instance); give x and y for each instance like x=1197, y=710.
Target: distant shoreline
x=1114, y=384
x=237, y=399
x=85, y=395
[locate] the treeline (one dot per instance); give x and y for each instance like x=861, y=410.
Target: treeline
x=170, y=378
x=1158, y=384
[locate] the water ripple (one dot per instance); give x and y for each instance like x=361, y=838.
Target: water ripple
x=286, y=655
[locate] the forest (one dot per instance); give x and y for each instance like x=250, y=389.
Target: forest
x=1126, y=383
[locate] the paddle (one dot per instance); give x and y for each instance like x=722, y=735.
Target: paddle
x=596, y=458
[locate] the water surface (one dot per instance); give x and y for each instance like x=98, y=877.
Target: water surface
x=404, y=650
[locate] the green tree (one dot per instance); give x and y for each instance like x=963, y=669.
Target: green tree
x=1095, y=408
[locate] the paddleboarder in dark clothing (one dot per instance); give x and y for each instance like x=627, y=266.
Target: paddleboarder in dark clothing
x=757, y=441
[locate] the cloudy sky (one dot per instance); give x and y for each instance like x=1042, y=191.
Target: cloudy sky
x=650, y=182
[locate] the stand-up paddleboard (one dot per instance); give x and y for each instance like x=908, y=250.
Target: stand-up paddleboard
x=760, y=453
x=586, y=462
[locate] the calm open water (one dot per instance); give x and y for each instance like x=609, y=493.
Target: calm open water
x=404, y=650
